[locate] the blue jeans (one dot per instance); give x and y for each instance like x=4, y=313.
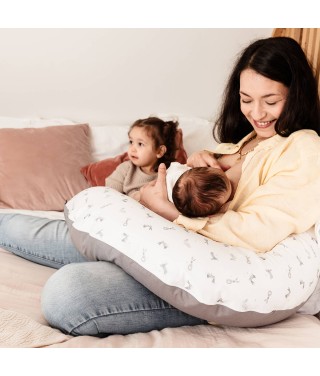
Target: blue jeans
x=86, y=298
x=41, y=240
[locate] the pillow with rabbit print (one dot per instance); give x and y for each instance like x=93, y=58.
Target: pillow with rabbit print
x=216, y=282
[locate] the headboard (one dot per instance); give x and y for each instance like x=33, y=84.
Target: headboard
x=309, y=39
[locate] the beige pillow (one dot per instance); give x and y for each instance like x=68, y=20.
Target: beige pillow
x=40, y=167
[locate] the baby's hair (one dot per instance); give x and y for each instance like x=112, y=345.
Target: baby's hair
x=163, y=133
x=197, y=191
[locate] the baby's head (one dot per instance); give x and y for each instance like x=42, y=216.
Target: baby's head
x=201, y=191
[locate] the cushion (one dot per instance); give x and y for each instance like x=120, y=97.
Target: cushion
x=97, y=172
x=210, y=280
x=197, y=132
x=109, y=140
x=40, y=167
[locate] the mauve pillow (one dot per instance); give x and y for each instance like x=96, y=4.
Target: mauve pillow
x=97, y=172
x=40, y=167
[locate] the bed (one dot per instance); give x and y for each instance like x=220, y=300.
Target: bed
x=22, y=324
x=21, y=321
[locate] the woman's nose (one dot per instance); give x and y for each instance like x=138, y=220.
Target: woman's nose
x=258, y=112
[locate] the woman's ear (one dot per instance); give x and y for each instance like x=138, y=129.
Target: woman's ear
x=161, y=151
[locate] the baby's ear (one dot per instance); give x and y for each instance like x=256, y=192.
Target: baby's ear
x=161, y=152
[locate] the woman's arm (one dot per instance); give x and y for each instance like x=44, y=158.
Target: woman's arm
x=154, y=196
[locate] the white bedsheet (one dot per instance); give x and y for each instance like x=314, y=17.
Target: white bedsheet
x=35, y=213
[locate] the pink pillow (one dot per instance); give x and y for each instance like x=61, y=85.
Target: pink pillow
x=40, y=167
x=96, y=173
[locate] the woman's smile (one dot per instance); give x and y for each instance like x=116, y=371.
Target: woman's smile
x=264, y=124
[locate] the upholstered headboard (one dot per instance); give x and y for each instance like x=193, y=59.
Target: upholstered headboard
x=309, y=39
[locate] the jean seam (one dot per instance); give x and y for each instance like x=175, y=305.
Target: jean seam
x=25, y=252
x=115, y=313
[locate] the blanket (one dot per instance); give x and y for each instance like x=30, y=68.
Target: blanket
x=22, y=324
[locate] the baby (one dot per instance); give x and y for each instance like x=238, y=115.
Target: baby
x=201, y=191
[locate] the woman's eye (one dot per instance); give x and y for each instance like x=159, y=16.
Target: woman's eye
x=245, y=101
x=271, y=103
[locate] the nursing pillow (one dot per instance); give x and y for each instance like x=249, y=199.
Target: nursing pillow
x=214, y=281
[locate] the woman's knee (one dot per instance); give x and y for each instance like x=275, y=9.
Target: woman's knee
x=59, y=298
x=99, y=298
x=73, y=297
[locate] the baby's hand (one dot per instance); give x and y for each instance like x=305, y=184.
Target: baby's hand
x=203, y=159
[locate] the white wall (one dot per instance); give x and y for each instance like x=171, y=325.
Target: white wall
x=116, y=74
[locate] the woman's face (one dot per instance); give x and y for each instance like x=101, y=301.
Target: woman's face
x=261, y=101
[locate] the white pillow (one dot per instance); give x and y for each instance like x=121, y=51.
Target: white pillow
x=214, y=281
x=12, y=122
x=111, y=140
x=197, y=132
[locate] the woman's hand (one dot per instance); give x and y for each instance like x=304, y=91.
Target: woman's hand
x=154, y=196
x=202, y=159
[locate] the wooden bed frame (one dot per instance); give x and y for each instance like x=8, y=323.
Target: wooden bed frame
x=309, y=39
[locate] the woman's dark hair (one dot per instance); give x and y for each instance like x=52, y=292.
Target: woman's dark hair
x=163, y=133
x=197, y=192
x=280, y=59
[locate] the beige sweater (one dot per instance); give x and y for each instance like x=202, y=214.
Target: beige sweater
x=128, y=178
x=278, y=194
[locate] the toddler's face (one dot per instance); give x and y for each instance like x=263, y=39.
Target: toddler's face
x=141, y=149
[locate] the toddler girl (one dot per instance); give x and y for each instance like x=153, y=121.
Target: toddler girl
x=151, y=141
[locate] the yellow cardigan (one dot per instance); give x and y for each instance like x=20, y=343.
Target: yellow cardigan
x=278, y=194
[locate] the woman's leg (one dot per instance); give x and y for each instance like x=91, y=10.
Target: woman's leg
x=41, y=240
x=99, y=299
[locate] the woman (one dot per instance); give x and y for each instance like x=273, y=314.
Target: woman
x=270, y=117
x=269, y=121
